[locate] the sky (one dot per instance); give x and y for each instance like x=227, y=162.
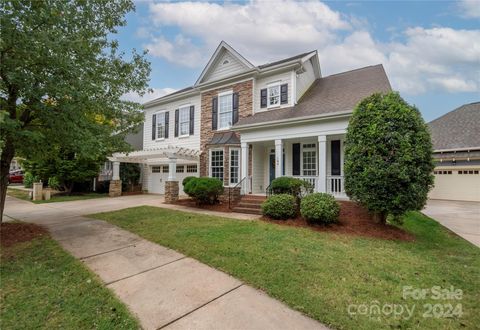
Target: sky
x=430, y=49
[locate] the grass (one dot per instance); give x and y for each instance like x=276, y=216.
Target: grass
x=22, y=194
x=43, y=287
x=322, y=274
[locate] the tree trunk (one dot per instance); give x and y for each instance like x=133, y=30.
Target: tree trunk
x=380, y=217
x=7, y=155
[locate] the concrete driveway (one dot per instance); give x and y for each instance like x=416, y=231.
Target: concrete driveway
x=463, y=218
x=163, y=288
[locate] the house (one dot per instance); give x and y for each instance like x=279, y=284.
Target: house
x=456, y=144
x=247, y=124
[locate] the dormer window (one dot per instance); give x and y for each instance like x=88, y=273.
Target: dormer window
x=273, y=95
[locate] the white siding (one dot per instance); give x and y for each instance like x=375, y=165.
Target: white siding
x=260, y=83
x=258, y=168
x=220, y=70
x=305, y=80
x=192, y=141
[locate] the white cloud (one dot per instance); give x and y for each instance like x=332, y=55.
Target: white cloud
x=469, y=8
x=155, y=93
x=180, y=51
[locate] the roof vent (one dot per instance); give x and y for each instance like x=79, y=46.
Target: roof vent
x=225, y=62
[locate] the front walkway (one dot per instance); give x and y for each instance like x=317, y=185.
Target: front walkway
x=463, y=218
x=165, y=289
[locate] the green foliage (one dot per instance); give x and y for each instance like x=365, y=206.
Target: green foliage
x=204, y=190
x=281, y=206
x=320, y=208
x=289, y=185
x=29, y=179
x=54, y=182
x=388, y=156
x=129, y=174
x=186, y=180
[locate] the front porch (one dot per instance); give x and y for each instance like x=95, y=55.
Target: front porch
x=315, y=159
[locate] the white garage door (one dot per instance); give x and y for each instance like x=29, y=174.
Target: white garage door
x=461, y=184
x=159, y=174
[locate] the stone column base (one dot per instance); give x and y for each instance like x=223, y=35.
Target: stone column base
x=233, y=192
x=171, y=191
x=115, y=188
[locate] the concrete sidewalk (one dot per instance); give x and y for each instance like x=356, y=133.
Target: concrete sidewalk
x=163, y=288
x=463, y=218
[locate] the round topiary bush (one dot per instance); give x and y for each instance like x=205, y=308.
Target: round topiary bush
x=204, y=190
x=320, y=208
x=282, y=206
x=188, y=178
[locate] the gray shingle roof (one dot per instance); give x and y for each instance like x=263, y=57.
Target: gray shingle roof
x=458, y=129
x=296, y=57
x=336, y=93
x=224, y=138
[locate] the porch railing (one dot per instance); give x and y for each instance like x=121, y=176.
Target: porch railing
x=335, y=185
x=245, y=188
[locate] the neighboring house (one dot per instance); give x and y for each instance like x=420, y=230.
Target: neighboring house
x=15, y=164
x=456, y=144
x=247, y=125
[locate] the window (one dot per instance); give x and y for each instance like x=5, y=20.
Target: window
x=468, y=172
x=216, y=164
x=234, y=166
x=180, y=169
x=184, y=121
x=273, y=95
x=309, y=160
x=161, y=125
x=156, y=169
x=442, y=172
x=225, y=108
x=165, y=169
x=192, y=168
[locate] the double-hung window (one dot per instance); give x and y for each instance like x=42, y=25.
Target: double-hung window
x=216, y=164
x=309, y=159
x=234, y=166
x=160, y=125
x=273, y=95
x=225, y=107
x=184, y=121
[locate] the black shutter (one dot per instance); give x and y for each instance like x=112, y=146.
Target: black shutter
x=214, y=113
x=192, y=119
x=335, y=161
x=263, y=98
x=296, y=159
x=284, y=94
x=154, y=126
x=167, y=117
x=235, y=108
x=176, y=123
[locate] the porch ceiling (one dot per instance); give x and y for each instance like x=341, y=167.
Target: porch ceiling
x=143, y=156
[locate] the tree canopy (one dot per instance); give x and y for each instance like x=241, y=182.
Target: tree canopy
x=388, y=156
x=62, y=78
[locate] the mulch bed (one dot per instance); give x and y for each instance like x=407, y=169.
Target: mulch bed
x=220, y=207
x=13, y=233
x=353, y=220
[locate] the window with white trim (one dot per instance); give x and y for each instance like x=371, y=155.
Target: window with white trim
x=161, y=125
x=192, y=168
x=184, y=121
x=309, y=159
x=225, y=109
x=234, y=166
x=273, y=95
x=216, y=164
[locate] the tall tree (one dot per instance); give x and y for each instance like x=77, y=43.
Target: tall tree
x=62, y=77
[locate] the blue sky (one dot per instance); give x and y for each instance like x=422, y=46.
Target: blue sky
x=430, y=49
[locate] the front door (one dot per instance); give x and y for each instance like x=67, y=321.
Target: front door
x=272, y=167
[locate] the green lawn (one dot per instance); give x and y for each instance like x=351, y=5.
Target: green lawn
x=43, y=287
x=322, y=274
x=22, y=194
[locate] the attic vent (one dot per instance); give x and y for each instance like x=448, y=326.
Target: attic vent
x=226, y=62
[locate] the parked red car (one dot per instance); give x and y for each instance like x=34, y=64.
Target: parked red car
x=15, y=177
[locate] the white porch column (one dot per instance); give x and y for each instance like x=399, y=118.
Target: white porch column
x=116, y=171
x=278, y=158
x=322, y=163
x=172, y=168
x=244, y=163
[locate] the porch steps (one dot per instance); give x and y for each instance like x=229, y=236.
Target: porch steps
x=250, y=204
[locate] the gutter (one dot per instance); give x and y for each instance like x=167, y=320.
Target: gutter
x=456, y=149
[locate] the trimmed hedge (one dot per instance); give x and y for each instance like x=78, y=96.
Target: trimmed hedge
x=281, y=206
x=204, y=190
x=188, y=178
x=320, y=208
x=289, y=185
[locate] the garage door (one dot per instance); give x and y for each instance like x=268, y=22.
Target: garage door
x=159, y=174
x=461, y=184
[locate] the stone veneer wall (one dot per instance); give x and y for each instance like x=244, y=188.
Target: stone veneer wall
x=115, y=188
x=235, y=194
x=171, y=191
x=245, y=109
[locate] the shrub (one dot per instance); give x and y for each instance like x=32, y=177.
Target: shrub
x=388, y=156
x=54, y=183
x=204, y=190
x=29, y=179
x=185, y=180
x=281, y=206
x=320, y=208
x=293, y=186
